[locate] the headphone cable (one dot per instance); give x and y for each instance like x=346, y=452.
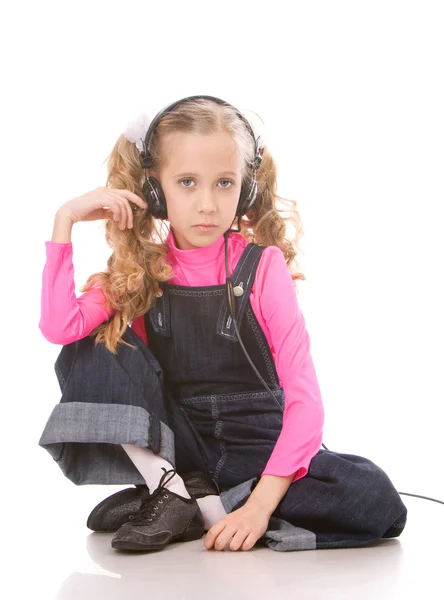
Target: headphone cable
x=232, y=312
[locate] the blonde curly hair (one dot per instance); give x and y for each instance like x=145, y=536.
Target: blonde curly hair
x=138, y=262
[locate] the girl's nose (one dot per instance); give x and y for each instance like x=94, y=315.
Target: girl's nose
x=207, y=202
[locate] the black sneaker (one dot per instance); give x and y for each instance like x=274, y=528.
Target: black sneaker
x=163, y=517
x=119, y=508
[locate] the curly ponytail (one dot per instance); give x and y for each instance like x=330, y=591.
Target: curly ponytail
x=265, y=225
x=138, y=262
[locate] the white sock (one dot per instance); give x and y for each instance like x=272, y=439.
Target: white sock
x=212, y=510
x=150, y=466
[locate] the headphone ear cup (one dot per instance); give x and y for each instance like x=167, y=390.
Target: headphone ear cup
x=155, y=198
x=247, y=197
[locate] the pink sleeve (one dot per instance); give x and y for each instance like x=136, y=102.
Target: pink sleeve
x=303, y=419
x=65, y=318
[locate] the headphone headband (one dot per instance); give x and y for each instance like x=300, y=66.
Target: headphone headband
x=145, y=156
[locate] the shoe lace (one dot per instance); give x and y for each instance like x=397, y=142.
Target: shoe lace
x=150, y=504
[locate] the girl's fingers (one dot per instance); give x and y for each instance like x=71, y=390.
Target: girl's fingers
x=132, y=197
x=249, y=542
x=122, y=209
x=120, y=202
x=224, y=537
x=129, y=214
x=114, y=207
x=238, y=540
x=212, y=535
x=126, y=208
x=118, y=213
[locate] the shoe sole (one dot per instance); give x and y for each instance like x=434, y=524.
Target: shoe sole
x=188, y=536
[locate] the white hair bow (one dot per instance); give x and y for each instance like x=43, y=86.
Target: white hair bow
x=136, y=130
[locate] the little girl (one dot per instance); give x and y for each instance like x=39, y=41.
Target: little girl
x=186, y=366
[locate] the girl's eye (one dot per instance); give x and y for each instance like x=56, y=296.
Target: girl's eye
x=185, y=180
x=187, y=183
x=226, y=181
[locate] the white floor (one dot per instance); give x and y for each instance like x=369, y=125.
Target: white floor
x=50, y=554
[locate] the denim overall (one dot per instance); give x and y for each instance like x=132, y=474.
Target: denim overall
x=191, y=333
x=193, y=398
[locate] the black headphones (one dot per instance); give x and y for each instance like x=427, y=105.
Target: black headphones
x=152, y=191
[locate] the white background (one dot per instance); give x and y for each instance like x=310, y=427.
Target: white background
x=352, y=94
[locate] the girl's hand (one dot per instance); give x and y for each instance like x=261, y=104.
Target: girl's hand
x=241, y=529
x=103, y=203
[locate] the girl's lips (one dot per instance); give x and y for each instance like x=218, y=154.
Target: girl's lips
x=205, y=226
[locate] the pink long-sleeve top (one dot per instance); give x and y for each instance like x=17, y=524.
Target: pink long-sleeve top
x=66, y=318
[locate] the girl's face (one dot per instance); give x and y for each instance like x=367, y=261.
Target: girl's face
x=201, y=178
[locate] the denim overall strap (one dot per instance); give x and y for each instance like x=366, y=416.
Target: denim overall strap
x=243, y=277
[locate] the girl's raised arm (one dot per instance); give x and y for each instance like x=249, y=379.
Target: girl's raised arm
x=64, y=317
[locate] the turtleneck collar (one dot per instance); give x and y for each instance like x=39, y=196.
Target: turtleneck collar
x=197, y=257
